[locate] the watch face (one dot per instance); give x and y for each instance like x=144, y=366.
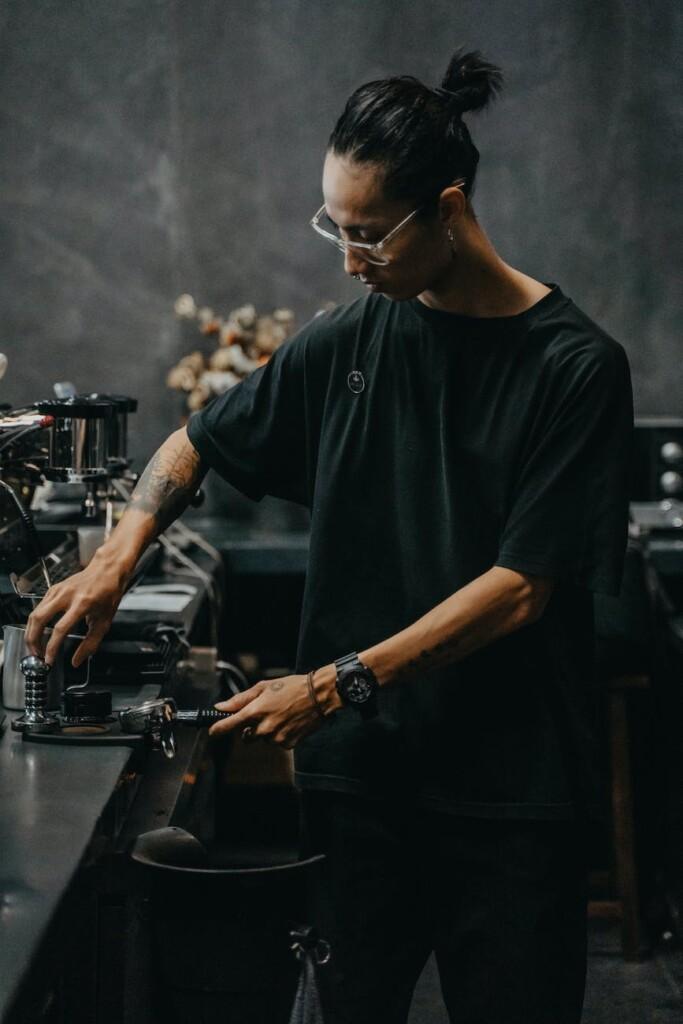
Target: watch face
x=357, y=689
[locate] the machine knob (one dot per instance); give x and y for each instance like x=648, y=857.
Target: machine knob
x=34, y=669
x=671, y=452
x=671, y=482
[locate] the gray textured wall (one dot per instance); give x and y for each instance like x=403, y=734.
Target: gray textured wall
x=150, y=147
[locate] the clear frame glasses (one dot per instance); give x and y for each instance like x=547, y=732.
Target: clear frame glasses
x=373, y=252
x=370, y=251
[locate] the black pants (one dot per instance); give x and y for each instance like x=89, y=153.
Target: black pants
x=501, y=903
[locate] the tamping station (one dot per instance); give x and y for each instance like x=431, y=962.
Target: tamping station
x=153, y=720
x=36, y=718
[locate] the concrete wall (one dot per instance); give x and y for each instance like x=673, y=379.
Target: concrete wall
x=152, y=147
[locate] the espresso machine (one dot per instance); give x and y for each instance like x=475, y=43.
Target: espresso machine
x=78, y=446
x=88, y=444
x=78, y=443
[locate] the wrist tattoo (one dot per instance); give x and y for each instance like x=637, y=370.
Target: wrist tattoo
x=167, y=484
x=277, y=685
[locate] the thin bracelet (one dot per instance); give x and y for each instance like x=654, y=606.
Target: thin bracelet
x=316, y=703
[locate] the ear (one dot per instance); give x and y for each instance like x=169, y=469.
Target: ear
x=452, y=204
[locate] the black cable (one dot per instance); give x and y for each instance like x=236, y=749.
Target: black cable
x=20, y=433
x=30, y=528
x=17, y=435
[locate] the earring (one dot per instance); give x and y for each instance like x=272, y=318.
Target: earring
x=452, y=240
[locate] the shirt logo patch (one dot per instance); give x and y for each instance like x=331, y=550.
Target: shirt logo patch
x=356, y=382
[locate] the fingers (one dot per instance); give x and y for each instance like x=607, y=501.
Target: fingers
x=246, y=716
x=267, y=729
x=278, y=712
x=289, y=738
x=247, y=735
x=60, y=630
x=285, y=740
x=37, y=621
x=240, y=700
x=93, y=639
x=58, y=599
x=238, y=721
x=91, y=594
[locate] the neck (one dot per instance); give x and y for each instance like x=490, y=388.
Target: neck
x=479, y=283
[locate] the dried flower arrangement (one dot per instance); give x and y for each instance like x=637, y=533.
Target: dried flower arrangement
x=245, y=342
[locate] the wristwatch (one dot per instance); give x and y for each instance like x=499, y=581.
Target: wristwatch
x=357, y=685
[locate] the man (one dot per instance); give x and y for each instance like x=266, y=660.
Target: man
x=461, y=439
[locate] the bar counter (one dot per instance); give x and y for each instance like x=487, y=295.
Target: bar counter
x=70, y=814
x=52, y=800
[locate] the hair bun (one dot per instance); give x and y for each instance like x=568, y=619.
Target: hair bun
x=471, y=81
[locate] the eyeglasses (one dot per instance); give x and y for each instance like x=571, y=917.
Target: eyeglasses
x=373, y=252
x=370, y=251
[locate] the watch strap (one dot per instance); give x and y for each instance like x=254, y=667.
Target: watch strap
x=350, y=661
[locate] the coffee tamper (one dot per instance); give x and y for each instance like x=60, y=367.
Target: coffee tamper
x=36, y=717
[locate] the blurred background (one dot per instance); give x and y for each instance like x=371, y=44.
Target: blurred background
x=154, y=147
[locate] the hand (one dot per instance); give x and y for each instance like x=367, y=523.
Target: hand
x=93, y=594
x=280, y=710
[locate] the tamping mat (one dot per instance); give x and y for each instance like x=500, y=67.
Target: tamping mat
x=88, y=734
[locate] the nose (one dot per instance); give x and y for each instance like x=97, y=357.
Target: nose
x=354, y=263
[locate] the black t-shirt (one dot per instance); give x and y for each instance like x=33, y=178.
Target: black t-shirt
x=430, y=446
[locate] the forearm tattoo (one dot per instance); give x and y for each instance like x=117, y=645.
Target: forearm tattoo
x=168, y=483
x=439, y=656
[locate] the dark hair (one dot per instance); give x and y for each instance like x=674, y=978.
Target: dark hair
x=416, y=133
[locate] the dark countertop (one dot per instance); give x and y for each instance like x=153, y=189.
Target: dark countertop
x=54, y=799
x=61, y=805
x=51, y=798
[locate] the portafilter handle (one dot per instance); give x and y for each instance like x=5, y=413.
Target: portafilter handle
x=155, y=718
x=201, y=716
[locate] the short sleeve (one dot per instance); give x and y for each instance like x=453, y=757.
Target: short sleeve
x=568, y=511
x=254, y=434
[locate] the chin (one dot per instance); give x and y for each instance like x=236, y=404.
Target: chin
x=397, y=292
x=401, y=294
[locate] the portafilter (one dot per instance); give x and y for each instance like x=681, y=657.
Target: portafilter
x=155, y=719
